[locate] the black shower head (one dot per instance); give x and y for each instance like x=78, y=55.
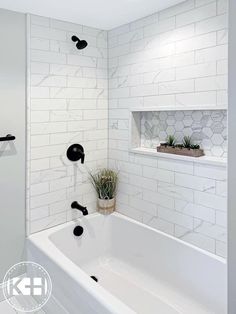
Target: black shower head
x=81, y=44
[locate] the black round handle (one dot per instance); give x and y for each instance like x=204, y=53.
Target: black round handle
x=75, y=152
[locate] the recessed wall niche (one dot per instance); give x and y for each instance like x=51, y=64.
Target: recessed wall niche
x=208, y=128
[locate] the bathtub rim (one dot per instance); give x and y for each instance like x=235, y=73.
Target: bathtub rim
x=50, y=231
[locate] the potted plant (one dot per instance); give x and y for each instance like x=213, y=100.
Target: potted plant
x=187, y=142
x=187, y=148
x=171, y=140
x=105, y=184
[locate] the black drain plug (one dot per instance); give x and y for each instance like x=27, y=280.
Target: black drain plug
x=94, y=278
x=78, y=231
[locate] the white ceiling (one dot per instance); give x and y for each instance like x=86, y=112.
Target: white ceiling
x=103, y=14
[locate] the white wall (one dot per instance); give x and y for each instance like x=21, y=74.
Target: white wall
x=12, y=154
x=175, y=58
x=231, y=161
x=67, y=104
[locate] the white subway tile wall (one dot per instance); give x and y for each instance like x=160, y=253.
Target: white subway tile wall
x=177, y=57
x=68, y=103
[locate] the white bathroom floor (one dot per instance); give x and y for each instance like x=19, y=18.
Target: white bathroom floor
x=139, y=290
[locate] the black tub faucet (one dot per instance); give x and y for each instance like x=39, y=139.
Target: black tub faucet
x=83, y=209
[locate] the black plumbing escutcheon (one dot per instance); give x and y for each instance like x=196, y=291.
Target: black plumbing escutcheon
x=76, y=152
x=94, y=278
x=78, y=231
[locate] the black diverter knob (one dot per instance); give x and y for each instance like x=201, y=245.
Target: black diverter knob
x=75, y=152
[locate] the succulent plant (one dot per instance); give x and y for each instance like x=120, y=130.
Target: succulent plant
x=195, y=146
x=187, y=142
x=170, y=141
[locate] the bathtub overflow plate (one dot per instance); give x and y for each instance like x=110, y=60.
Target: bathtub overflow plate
x=94, y=278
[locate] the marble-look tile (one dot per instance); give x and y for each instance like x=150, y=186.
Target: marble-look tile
x=151, y=62
x=181, y=61
x=68, y=104
x=206, y=128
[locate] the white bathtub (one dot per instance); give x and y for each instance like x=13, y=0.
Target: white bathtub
x=139, y=270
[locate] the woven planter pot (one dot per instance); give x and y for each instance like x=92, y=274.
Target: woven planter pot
x=106, y=207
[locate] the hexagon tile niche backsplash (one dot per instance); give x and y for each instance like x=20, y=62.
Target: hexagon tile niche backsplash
x=208, y=128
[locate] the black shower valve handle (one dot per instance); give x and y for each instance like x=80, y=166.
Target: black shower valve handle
x=76, y=152
x=82, y=157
